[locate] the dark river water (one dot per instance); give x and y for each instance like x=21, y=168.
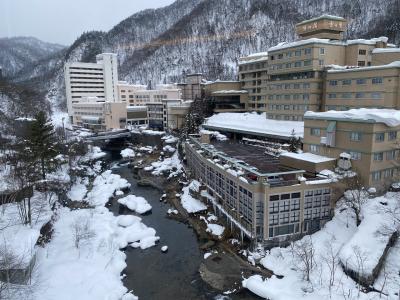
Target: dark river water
x=174, y=275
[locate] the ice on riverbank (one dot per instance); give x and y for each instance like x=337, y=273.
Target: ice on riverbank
x=171, y=166
x=134, y=203
x=127, y=153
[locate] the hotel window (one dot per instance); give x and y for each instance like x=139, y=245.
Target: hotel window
x=362, y=52
x=355, y=155
x=306, y=96
x=296, y=85
x=361, y=63
x=272, y=57
x=296, y=97
x=346, y=95
x=287, y=97
x=289, y=54
x=361, y=81
x=274, y=207
x=294, y=216
x=297, y=53
x=376, y=176
x=379, y=137
x=307, y=51
x=378, y=156
x=377, y=80
x=392, y=135
x=280, y=55
x=332, y=96
x=355, y=136
x=273, y=220
x=284, y=218
x=321, y=62
x=287, y=86
x=306, y=85
x=314, y=148
x=288, y=65
x=315, y=131
x=360, y=95
x=321, y=51
x=297, y=64
x=390, y=155
x=333, y=82
x=346, y=82
x=307, y=63
x=376, y=95
x=388, y=173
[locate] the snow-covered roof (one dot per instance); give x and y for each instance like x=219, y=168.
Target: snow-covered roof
x=395, y=64
x=390, y=117
x=386, y=50
x=309, y=157
x=324, y=16
x=254, y=123
x=286, y=45
x=230, y=92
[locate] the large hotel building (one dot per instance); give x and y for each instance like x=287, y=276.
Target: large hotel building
x=321, y=71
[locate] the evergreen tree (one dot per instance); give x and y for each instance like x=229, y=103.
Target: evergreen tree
x=293, y=142
x=42, y=143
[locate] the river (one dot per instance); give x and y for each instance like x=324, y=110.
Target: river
x=174, y=275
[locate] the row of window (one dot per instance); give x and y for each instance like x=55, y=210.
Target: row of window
x=344, y=82
x=285, y=117
x=296, y=64
x=357, y=136
x=249, y=67
x=288, y=86
x=289, y=97
x=299, y=107
x=358, y=95
x=383, y=174
x=298, y=52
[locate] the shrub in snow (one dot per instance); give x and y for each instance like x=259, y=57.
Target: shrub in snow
x=190, y=204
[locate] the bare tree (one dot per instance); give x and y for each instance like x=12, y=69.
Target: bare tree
x=331, y=259
x=304, y=253
x=355, y=195
x=82, y=231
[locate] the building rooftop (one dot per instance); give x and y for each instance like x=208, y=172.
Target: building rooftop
x=389, y=117
x=285, y=45
x=324, y=16
x=309, y=157
x=342, y=69
x=254, y=124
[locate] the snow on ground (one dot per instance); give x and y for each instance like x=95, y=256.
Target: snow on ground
x=86, y=268
x=190, y=204
x=61, y=119
x=363, y=251
x=94, y=153
x=127, y=153
x=215, y=229
x=336, y=235
x=6, y=181
x=137, y=204
x=254, y=122
x=169, y=148
x=79, y=190
x=171, y=165
x=104, y=187
x=216, y=134
x=169, y=139
x=152, y=132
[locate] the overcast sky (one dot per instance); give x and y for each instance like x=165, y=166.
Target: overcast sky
x=62, y=21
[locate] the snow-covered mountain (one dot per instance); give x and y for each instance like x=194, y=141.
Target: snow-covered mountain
x=17, y=52
x=206, y=36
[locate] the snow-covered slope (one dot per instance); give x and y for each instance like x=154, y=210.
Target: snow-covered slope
x=17, y=52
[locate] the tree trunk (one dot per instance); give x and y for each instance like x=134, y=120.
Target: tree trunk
x=43, y=170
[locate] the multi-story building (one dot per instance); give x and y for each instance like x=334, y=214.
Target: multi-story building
x=289, y=79
x=93, y=114
x=192, y=88
x=253, y=74
x=98, y=80
x=369, y=137
x=168, y=114
x=138, y=95
x=264, y=200
x=226, y=96
x=371, y=87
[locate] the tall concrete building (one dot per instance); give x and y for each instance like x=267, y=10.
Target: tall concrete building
x=89, y=80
